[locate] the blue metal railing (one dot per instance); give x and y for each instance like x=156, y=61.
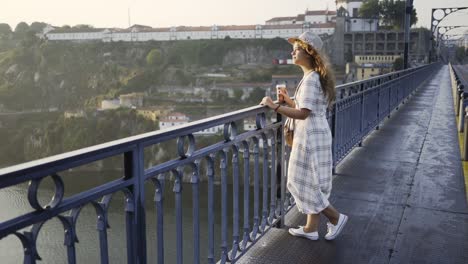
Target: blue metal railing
x=360, y=108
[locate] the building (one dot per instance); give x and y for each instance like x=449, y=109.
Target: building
x=244, y=89
x=74, y=114
x=173, y=119
x=250, y=124
x=367, y=66
x=131, y=100
x=319, y=21
x=216, y=130
x=311, y=17
x=347, y=45
x=110, y=104
x=187, y=33
x=75, y=34
x=348, y=8
x=153, y=113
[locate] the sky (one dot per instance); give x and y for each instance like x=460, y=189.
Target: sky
x=156, y=13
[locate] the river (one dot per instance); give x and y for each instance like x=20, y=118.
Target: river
x=13, y=202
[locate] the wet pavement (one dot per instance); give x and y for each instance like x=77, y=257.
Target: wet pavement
x=403, y=190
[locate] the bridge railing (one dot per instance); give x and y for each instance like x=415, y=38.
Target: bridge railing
x=460, y=100
x=250, y=163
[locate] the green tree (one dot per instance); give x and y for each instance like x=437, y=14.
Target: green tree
x=370, y=8
x=398, y=64
x=238, y=95
x=460, y=54
x=256, y=95
x=83, y=26
x=21, y=29
x=392, y=14
x=37, y=27
x=5, y=29
x=154, y=57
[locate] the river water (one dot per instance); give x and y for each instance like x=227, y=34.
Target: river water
x=50, y=244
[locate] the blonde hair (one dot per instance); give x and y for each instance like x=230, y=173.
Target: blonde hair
x=320, y=64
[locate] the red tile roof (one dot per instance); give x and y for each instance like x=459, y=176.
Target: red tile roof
x=320, y=13
x=275, y=19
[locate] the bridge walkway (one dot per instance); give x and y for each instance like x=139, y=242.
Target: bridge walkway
x=403, y=190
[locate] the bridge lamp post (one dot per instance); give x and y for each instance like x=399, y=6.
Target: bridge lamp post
x=408, y=11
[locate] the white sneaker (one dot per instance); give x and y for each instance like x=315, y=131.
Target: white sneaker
x=335, y=230
x=299, y=232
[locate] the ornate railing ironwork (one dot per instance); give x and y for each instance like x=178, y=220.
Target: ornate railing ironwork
x=260, y=177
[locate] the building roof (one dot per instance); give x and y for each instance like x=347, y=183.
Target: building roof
x=77, y=30
x=234, y=27
x=200, y=28
x=320, y=12
x=277, y=19
x=139, y=26
x=289, y=26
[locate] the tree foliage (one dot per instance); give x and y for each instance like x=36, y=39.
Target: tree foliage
x=154, y=57
x=5, y=29
x=37, y=27
x=460, y=54
x=21, y=28
x=370, y=9
x=398, y=64
x=391, y=12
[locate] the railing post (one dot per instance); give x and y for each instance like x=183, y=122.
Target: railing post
x=465, y=137
x=281, y=170
x=461, y=112
x=134, y=168
x=459, y=96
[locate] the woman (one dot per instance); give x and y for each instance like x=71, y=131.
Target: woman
x=310, y=162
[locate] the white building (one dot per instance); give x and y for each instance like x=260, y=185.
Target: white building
x=320, y=17
x=173, y=119
x=211, y=131
x=77, y=34
x=110, y=104
x=74, y=114
x=354, y=24
x=250, y=124
x=320, y=22
x=351, y=7
x=312, y=17
x=131, y=100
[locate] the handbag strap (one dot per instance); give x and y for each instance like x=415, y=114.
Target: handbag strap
x=290, y=121
x=300, y=83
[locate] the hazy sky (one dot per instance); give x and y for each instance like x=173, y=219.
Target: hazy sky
x=114, y=13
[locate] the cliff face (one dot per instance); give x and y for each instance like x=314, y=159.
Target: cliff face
x=254, y=55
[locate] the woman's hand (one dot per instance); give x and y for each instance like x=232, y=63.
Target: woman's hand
x=268, y=102
x=286, y=98
x=283, y=92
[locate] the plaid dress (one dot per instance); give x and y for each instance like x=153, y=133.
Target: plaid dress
x=310, y=162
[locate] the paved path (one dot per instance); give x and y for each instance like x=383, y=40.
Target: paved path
x=403, y=190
